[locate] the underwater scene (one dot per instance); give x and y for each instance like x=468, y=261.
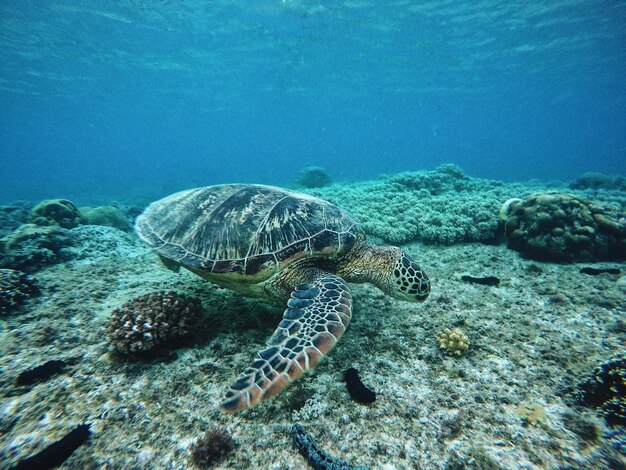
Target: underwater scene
x=291, y=234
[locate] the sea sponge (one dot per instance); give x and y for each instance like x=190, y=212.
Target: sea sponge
x=59, y=212
x=153, y=321
x=15, y=288
x=453, y=341
x=104, y=215
x=313, y=177
x=565, y=228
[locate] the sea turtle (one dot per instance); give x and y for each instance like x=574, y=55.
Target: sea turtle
x=264, y=241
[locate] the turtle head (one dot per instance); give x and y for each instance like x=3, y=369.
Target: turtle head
x=408, y=281
x=389, y=268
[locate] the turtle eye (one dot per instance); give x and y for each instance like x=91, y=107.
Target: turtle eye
x=411, y=279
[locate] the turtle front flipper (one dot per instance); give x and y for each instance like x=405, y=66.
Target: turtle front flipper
x=317, y=314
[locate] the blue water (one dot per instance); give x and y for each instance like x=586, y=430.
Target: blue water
x=126, y=100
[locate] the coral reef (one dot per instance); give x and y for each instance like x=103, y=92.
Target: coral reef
x=59, y=212
x=565, y=228
x=605, y=389
x=313, y=177
x=211, y=448
x=594, y=180
x=443, y=206
x=357, y=389
x=453, y=341
x=12, y=216
x=31, y=247
x=153, y=321
x=104, y=215
x=15, y=288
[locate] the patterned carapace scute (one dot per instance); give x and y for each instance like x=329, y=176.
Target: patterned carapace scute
x=244, y=228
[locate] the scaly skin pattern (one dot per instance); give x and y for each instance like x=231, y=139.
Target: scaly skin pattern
x=317, y=315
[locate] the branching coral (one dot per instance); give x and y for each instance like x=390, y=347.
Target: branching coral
x=453, y=341
x=443, y=206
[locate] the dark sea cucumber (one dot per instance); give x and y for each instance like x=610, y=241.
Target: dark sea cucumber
x=595, y=271
x=57, y=452
x=40, y=373
x=485, y=281
x=358, y=392
x=317, y=458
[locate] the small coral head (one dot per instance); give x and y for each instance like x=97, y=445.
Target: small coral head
x=410, y=282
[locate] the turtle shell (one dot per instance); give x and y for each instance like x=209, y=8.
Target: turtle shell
x=244, y=228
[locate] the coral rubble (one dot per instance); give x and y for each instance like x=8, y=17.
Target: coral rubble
x=152, y=321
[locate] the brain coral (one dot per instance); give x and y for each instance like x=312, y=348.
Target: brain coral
x=152, y=321
x=565, y=228
x=15, y=288
x=59, y=212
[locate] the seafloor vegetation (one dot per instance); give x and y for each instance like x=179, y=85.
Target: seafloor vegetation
x=513, y=361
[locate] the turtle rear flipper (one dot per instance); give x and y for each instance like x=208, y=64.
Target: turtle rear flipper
x=170, y=264
x=317, y=314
